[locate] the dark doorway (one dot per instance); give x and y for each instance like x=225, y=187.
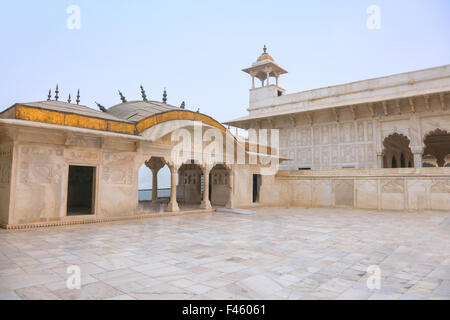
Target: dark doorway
x=394, y=162
x=256, y=186
x=80, y=190
x=210, y=188
x=402, y=161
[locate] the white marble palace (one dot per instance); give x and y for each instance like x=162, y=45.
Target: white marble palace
x=379, y=144
x=374, y=144
x=397, y=121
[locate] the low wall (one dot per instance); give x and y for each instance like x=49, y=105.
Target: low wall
x=409, y=189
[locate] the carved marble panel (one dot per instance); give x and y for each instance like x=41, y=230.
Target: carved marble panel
x=367, y=194
x=369, y=131
x=303, y=136
x=392, y=195
x=322, y=193
x=417, y=194
x=5, y=172
x=325, y=134
x=440, y=186
x=334, y=154
x=325, y=155
x=361, y=153
x=40, y=173
x=83, y=141
x=346, y=132
x=317, y=138
x=334, y=134
x=360, y=130
x=117, y=175
x=344, y=193
x=301, y=193
x=392, y=186
x=290, y=137
x=317, y=155
x=73, y=154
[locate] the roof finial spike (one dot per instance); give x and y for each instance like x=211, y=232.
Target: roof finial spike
x=144, y=96
x=49, y=97
x=69, y=99
x=265, y=49
x=56, y=93
x=102, y=108
x=122, y=97
x=164, y=100
x=78, y=96
x=183, y=105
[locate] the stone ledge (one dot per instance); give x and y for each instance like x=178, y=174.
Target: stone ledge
x=99, y=220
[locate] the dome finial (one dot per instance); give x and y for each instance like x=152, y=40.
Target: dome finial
x=49, y=97
x=69, y=99
x=78, y=97
x=122, y=97
x=264, y=55
x=102, y=108
x=164, y=100
x=144, y=96
x=183, y=105
x=56, y=93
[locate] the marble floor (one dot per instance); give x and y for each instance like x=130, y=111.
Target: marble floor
x=278, y=253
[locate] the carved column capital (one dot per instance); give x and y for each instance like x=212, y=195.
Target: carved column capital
x=155, y=163
x=417, y=149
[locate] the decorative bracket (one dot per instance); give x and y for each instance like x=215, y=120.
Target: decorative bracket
x=427, y=101
x=412, y=105
x=336, y=114
x=353, y=110
x=442, y=98
x=310, y=117
x=371, y=109
x=385, y=109
x=293, y=121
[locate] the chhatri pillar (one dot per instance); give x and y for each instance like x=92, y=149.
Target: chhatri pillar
x=155, y=164
x=206, y=204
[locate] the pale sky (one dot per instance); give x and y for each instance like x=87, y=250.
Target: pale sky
x=196, y=49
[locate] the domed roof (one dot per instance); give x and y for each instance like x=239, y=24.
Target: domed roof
x=265, y=56
x=137, y=110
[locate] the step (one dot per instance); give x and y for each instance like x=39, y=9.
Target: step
x=235, y=210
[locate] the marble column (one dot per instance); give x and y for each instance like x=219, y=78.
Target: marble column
x=155, y=164
x=417, y=154
x=380, y=159
x=173, y=205
x=155, y=185
x=206, y=204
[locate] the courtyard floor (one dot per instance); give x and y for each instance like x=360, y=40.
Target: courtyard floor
x=278, y=253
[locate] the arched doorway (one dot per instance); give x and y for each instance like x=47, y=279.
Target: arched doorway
x=220, y=185
x=397, y=153
x=153, y=185
x=437, y=145
x=190, y=186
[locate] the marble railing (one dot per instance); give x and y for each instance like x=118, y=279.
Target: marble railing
x=409, y=189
